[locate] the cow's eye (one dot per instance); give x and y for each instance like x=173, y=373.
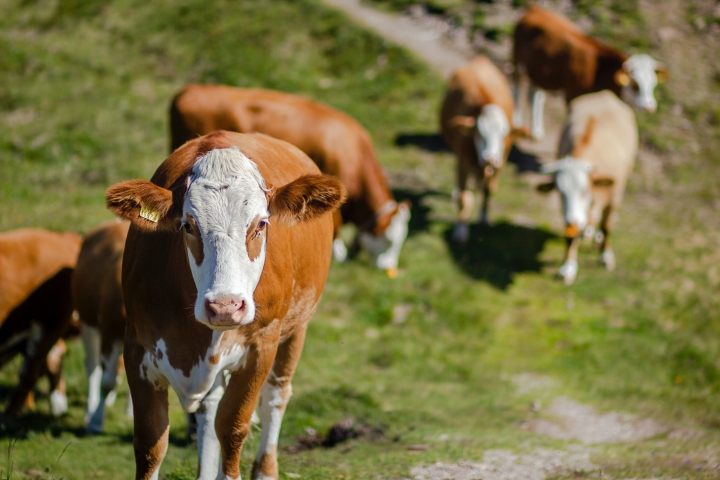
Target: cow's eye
x=261, y=225
x=188, y=228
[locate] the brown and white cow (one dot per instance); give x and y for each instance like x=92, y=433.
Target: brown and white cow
x=97, y=293
x=556, y=55
x=337, y=143
x=596, y=154
x=36, y=267
x=224, y=264
x=475, y=122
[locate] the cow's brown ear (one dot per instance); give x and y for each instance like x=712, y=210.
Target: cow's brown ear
x=662, y=73
x=145, y=204
x=603, y=181
x=306, y=198
x=622, y=78
x=546, y=187
x=464, y=124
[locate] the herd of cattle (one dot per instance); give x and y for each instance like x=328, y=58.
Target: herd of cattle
x=211, y=283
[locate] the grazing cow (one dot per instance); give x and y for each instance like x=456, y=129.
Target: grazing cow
x=97, y=293
x=556, y=55
x=36, y=267
x=337, y=143
x=475, y=122
x=597, y=151
x=224, y=264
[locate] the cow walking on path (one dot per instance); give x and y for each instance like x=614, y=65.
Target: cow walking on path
x=337, y=143
x=596, y=153
x=224, y=265
x=98, y=299
x=36, y=307
x=555, y=55
x=475, y=121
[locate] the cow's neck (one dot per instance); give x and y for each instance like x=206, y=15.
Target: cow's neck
x=609, y=61
x=372, y=204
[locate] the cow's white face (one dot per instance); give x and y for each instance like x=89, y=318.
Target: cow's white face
x=572, y=179
x=493, y=128
x=385, y=248
x=224, y=220
x=642, y=70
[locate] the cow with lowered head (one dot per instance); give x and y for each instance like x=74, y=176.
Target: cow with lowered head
x=337, y=143
x=555, y=55
x=224, y=264
x=596, y=153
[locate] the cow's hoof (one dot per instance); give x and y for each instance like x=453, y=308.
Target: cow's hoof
x=58, y=403
x=94, y=429
x=568, y=272
x=461, y=233
x=607, y=258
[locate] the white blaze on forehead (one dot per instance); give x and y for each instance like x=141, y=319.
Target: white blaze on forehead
x=493, y=127
x=226, y=192
x=385, y=248
x=642, y=69
x=572, y=177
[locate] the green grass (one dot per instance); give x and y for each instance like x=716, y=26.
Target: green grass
x=84, y=90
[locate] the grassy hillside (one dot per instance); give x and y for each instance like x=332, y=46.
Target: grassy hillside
x=428, y=358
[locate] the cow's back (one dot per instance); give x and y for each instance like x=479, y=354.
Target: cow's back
x=30, y=257
x=96, y=282
x=336, y=142
x=613, y=145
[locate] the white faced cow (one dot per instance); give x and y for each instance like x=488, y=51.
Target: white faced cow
x=224, y=264
x=597, y=151
x=556, y=55
x=475, y=122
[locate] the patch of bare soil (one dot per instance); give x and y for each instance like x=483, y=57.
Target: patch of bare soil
x=339, y=433
x=506, y=465
x=575, y=421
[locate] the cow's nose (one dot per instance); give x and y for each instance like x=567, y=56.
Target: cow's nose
x=225, y=311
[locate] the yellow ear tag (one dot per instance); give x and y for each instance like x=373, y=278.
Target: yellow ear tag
x=623, y=79
x=148, y=214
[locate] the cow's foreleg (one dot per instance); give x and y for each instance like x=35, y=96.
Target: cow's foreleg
x=607, y=257
x=274, y=398
x=150, y=439
x=466, y=200
x=111, y=352
x=518, y=77
x=569, y=268
x=207, y=440
x=232, y=423
x=91, y=342
x=538, y=107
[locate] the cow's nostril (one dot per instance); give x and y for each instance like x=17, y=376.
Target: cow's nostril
x=211, y=309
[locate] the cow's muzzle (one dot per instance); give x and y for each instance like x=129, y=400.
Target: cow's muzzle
x=226, y=313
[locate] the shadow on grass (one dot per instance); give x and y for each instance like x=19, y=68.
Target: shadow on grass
x=419, y=221
x=431, y=142
x=496, y=253
x=524, y=161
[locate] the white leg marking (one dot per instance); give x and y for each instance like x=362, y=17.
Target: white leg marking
x=107, y=386
x=272, y=408
x=91, y=342
x=517, y=109
x=58, y=403
x=208, y=443
x=568, y=271
x=339, y=250
x=607, y=258
x=538, y=126
x=129, y=411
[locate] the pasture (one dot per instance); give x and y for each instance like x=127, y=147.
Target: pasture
x=466, y=351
